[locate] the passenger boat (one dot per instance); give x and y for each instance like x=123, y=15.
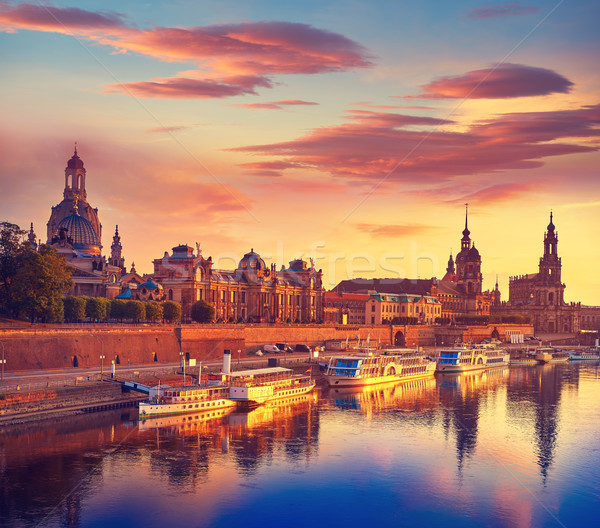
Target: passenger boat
x=585, y=354
x=465, y=357
x=262, y=385
x=189, y=399
x=372, y=366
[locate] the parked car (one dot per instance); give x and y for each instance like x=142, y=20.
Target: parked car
x=302, y=348
x=271, y=348
x=284, y=347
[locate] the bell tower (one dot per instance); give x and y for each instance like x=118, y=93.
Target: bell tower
x=115, y=251
x=75, y=178
x=550, y=269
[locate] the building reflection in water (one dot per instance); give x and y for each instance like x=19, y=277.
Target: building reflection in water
x=540, y=388
x=460, y=395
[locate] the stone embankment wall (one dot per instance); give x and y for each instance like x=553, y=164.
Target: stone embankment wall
x=55, y=347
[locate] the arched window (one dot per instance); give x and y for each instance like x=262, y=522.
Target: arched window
x=170, y=295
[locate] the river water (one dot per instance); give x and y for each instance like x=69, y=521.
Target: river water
x=514, y=447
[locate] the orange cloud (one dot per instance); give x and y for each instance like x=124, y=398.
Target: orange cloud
x=497, y=82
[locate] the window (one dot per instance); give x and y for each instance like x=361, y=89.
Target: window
x=373, y=307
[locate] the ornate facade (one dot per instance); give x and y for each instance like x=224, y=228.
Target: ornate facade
x=75, y=231
x=253, y=292
x=541, y=295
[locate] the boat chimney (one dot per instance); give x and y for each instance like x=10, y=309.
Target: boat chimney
x=226, y=361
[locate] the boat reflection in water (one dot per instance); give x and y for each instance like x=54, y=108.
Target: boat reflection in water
x=403, y=395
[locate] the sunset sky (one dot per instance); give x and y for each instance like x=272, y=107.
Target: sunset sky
x=349, y=132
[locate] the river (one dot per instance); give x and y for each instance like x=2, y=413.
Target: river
x=512, y=447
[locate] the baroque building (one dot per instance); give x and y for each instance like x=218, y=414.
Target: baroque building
x=253, y=292
x=541, y=295
x=75, y=231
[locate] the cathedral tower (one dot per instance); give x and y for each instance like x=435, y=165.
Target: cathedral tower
x=550, y=269
x=74, y=192
x=468, y=263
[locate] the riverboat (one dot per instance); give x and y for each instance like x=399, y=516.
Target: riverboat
x=550, y=355
x=257, y=386
x=465, y=357
x=188, y=399
x=373, y=366
x=590, y=354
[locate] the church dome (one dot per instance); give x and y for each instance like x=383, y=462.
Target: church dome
x=551, y=226
x=75, y=162
x=252, y=261
x=473, y=254
x=81, y=232
x=150, y=285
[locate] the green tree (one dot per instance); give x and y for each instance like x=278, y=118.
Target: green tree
x=117, y=309
x=95, y=308
x=135, y=310
x=11, y=249
x=74, y=308
x=42, y=278
x=154, y=311
x=171, y=311
x=203, y=312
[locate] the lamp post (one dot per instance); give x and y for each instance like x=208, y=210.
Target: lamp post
x=3, y=360
x=101, y=355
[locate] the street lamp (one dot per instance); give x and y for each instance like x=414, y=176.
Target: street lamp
x=101, y=355
x=3, y=360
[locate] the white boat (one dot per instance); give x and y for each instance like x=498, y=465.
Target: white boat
x=591, y=354
x=189, y=399
x=550, y=355
x=262, y=385
x=464, y=357
x=373, y=366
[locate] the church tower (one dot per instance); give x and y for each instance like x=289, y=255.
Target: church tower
x=468, y=262
x=550, y=269
x=115, y=251
x=74, y=192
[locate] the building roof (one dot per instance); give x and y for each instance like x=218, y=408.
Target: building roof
x=80, y=231
x=411, y=286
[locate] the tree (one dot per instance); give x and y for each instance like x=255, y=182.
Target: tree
x=11, y=248
x=74, y=308
x=171, y=311
x=42, y=278
x=135, y=310
x=154, y=311
x=95, y=308
x=117, y=309
x=203, y=312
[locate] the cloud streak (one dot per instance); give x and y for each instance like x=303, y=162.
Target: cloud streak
x=501, y=10
x=230, y=59
x=393, y=231
x=378, y=145
x=276, y=105
x=497, y=82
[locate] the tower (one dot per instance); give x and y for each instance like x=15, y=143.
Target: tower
x=74, y=192
x=115, y=251
x=468, y=262
x=550, y=269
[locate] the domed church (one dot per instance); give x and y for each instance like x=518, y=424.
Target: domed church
x=75, y=231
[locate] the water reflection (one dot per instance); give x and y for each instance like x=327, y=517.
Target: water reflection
x=59, y=472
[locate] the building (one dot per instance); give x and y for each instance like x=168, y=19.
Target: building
x=459, y=293
x=386, y=308
x=254, y=292
x=75, y=231
x=541, y=295
x=345, y=308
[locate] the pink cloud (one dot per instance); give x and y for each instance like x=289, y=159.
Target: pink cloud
x=55, y=19
x=231, y=59
x=276, y=105
x=497, y=82
x=393, y=231
x=366, y=104
x=394, y=120
x=376, y=145
x=495, y=194
x=493, y=11
x=166, y=129
x=184, y=88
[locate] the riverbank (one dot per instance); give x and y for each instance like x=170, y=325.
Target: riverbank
x=22, y=407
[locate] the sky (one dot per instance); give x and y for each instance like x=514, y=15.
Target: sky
x=352, y=132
